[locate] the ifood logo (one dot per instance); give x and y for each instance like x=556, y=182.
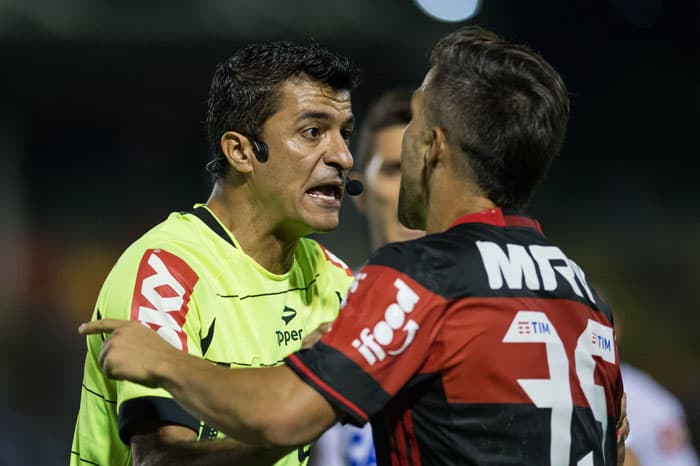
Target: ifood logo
x=373, y=344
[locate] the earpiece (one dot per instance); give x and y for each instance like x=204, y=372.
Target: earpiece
x=259, y=149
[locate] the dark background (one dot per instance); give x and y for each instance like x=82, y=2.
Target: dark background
x=101, y=136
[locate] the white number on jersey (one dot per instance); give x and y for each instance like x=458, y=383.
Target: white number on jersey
x=555, y=392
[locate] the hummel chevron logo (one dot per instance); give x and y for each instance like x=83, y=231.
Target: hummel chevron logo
x=288, y=314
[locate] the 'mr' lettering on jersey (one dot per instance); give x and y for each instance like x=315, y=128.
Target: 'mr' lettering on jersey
x=509, y=267
x=161, y=295
x=372, y=343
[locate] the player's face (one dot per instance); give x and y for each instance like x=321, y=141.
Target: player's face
x=301, y=185
x=415, y=146
x=382, y=179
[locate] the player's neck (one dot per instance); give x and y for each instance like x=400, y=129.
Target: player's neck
x=451, y=201
x=250, y=228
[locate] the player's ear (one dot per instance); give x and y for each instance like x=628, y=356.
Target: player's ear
x=359, y=199
x=438, y=146
x=238, y=151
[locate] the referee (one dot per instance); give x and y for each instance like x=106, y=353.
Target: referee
x=232, y=281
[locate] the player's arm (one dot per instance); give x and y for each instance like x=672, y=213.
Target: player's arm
x=264, y=407
x=176, y=445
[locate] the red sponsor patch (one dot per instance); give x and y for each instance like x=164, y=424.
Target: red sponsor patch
x=162, y=292
x=387, y=325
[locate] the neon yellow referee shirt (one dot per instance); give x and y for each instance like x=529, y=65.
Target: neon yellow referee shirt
x=188, y=279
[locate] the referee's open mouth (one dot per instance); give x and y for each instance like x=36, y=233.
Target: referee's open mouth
x=329, y=194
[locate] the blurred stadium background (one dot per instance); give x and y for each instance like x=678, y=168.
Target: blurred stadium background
x=101, y=135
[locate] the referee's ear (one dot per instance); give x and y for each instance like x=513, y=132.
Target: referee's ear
x=238, y=151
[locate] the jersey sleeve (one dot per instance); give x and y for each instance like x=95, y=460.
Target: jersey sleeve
x=156, y=289
x=380, y=340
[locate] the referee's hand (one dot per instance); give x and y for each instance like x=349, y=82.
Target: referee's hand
x=133, y=351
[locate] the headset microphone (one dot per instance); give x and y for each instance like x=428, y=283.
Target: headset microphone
x=353, y=187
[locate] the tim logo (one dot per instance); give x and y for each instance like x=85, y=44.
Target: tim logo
x=163, y=286
x=373, y=344
x=532, y=327
x=602, y=339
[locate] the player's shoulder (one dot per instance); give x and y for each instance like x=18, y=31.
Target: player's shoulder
x=453, y=245
x=469, y=260
x=423, y=256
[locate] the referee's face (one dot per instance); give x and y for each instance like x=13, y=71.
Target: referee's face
x=300, y=187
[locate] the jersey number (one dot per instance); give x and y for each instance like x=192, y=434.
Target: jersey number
x=555, y=392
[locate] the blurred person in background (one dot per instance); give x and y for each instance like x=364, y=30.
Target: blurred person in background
x=233, y=281
x=455, y=370
x=378, y=167
x=660, y=434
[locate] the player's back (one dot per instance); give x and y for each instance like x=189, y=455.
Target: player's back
x=524, y=367
x=479, y=345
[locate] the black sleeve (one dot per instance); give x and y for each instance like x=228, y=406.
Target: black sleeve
x=164, y=410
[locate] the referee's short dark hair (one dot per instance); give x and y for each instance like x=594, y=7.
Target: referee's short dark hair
x=503, y=105
x=243, y=93
x=392, y=108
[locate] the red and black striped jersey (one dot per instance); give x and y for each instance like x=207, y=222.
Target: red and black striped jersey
x=483, y=345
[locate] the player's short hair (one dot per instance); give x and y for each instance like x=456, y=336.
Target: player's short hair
x=503, y=105
x=243, y=93
x=390, y=109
